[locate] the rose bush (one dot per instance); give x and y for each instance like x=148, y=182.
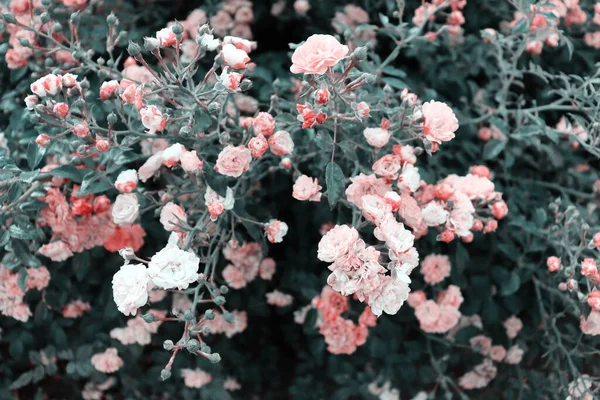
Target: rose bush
x=299, y=199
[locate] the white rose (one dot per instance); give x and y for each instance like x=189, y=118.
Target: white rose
x=213, y=197
x=130, y=288
x=409, y=179
x=377, y=137
x=126, y=209
x=173, y=268
x=389, y=297
x=434, y=214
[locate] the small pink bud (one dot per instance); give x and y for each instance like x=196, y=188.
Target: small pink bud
x=43, y=140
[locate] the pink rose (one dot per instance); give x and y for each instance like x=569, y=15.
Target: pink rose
x=233, y=161
x=107, y=362
x=377, y=137
x=56, y=251
x=318, y=53
x=171, y=216
x=276, y=230
x=153, y=119
x=263, y=124
x=440, y=123
x=306, y=188
x=126, y=209
x=258, y=145
x=281, y=143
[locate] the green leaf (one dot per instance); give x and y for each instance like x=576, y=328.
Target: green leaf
x=334, y=177
x=323, y=140
x=21, y=381
x=35, y=154
x=492, y=149
x=511, y=285
x=69, y=172
x=521, y=26
x=540, y=217
x=20, y=233
x=29, y=176
x=22, y=279
x=395, y=83
x=94, y=185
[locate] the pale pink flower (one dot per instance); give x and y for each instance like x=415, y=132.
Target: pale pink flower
x=513, y=326
x=377, y=137
x=233, y=161
x=514, y=355
x=336, y=243
x=108, y=89
x=451, y=297
x=172, y=154
x=234, y=57
x=480, y=377
x=127, y=181
x=434, y=214
x=416, y=298
x=173, y=268
x=151, y=166
x=439, y=123
x=195, y=378
x=481, y=343
x=126, y=209
x=281, y=143
x=388, y=166
x=130, y=288
x=75, y=309
x=266, y=270
x=591, y=324
x=38, y=278
x=317, y=54
x=497, y=353
x=171, y=216
x=410, y=212
x=409, y=180
x=56, y=251
x=397, y=238
x=435, y=268
x=231, y=384
x=48, y=85
x=107, y=362
x=276, y=230
x=279, y=299
x=340, y=336
x=166, y=37
x=579, y=389
x=263, y=124
x=190, y=162
x=153, y=119
x=234, y=277
x=366, y=184
x=301, y=6
x=389, y=296
x=375, y=209
x=423, y=13
x=258, y=145
x=306, y=188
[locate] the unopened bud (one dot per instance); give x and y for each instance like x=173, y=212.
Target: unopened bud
x=245, y=85
x=9, y=18
x=57, y=27
x=177, y=28
x=228, y=317
x=112, y=19
x=44, y=17
x=214, y=108
x=224, y=289
x=168, y=345
x=112, y=118
x=151, y=44
x=192, y=346
x=149, y=317
x=214, y=358
x=188, y=315
x=165, y=374
x=209, y=314
x=219, y=300
x=133, y=49
x=360, y=53
x=75, y=18
x=205, y=349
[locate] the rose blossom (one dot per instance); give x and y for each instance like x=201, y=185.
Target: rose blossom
x=281, y=143
x=389, y=296
x=279, y=299
x=440, y=123
x=130, y=288
x=514, y=355
x=434, y=214
x=172, y=154
x=153, y=119
x=336, y=243
x=126, y=209
x=190, y=162
x=306, y=188
x=377, y=137
x=171, y=216
x=266, y=270
x=233, y=161
x=375, y=209
x=234, y=57
x=258, y=145
x=195, y=378
x=435, y=268
x=513, y=326
x=317, y=54
x=173, y=268
x=107, y=362
x=56, y=251
x=152, y=164
x=108, y=89
x=263, y=124
x=276, y=230
x=127, y=181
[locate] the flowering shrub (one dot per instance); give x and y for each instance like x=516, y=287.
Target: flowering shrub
x=237, y=200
